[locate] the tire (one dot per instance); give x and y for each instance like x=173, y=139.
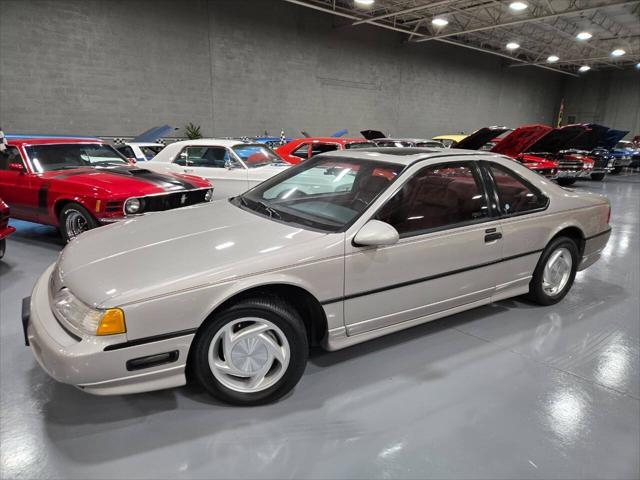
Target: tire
x=275, y=358
x=3, y=247
x=544, y=295
x=598, y=177
x=75, y=219
x=565, y=182
x=616, y=170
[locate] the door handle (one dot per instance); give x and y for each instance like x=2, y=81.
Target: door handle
x=492, y=235
x=187, y=170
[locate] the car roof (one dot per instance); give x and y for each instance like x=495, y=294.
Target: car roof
x=18, y=140
x=144, y=144
x=406, y=156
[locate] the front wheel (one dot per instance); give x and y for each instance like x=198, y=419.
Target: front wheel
x=74, y=220
x=252, y=353
x=556, y=270
x=565, y=182
x=598, y=177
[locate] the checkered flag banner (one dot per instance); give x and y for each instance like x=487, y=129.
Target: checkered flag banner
x=245, y=139
x=3, y=141
x=119, y=141
x=282, y=137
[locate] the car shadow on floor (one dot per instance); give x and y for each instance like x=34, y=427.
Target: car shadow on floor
x=36, y=234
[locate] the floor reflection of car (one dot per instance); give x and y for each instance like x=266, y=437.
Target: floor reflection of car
x=233, y=166
x=342, y=248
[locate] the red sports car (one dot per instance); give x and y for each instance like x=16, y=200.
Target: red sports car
x=5, y=229
x=81, y=183
x=302, y=149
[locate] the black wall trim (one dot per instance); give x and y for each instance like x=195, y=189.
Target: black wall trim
x=426, y=279
x=598, y=234
x=155, y=338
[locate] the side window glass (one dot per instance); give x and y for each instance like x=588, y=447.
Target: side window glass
x=437, y=196
x=127, y=151
x=209, y=157
x=302, y=151
x=318, y=148
x=515, y=195
x=8, y=156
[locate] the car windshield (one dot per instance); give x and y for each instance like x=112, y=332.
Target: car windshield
x=624, y=145
x=64, y=156
x=257, y=155
x=323, y=193
x=354, y=145
x=151, y=151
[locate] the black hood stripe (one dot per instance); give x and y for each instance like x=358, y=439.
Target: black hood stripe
x=165, y=182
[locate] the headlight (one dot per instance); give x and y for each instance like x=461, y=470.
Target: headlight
x=86, y=319
x=133, y=205
x=208, y=196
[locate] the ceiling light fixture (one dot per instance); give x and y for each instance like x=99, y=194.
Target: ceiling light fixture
x=440, y=22
x=513, y=45
x=364, y=3
x=584, y=36
x=553, y=58
x=584, y=68
x=618, y=52
x=638, y=66
x=518, y=6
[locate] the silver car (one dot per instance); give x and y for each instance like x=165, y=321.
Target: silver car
x=343, y=248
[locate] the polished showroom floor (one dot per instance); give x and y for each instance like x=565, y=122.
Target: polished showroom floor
x=510, y=390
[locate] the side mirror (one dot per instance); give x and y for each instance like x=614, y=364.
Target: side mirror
x=132, y=160
x=16, y=167
x=229, y=165
x=376, y=234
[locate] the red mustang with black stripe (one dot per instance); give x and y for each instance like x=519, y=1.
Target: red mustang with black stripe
x=80, y=183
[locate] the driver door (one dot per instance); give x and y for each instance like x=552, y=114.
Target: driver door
x=21, y=190
x=446, y=257
x=228, y=176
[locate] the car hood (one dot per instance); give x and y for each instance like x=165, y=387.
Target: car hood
x=269, y=171
x=520, y=139
x=558, y=139
x=480, y=137
x=158, y=254
x=612, y=138
x=130, y=181
x=589, y=139
x=372, y=134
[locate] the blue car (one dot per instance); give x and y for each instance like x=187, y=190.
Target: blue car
x=625, y=154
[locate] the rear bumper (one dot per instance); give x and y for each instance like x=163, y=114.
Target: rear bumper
x=97, y=365
x=622, y=162
x=593, y=247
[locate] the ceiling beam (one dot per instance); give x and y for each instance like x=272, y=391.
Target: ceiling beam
x=606, y=60
x=574, y=11
x=409, y=32
x=403, y=12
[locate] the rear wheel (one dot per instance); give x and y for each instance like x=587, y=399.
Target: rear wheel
x=252, y=353
x=598, y=177
x=565, y=182
x=555, y=272
x=74, y=220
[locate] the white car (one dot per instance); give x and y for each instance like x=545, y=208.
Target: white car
x=140, y=152
x=233, y=166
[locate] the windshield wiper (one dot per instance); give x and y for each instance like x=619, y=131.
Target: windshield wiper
x=270, y=210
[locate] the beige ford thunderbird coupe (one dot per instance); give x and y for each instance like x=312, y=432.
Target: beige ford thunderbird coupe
x=343, y=248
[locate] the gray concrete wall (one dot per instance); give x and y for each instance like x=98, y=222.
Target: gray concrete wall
x=610, y=97
x=240, y=67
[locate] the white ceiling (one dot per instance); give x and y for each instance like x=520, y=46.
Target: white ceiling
x=544, y=28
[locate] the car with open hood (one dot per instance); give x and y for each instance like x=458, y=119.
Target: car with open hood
x=345, y=247
x=139, y=151
x=305, y=148
x=625, y=153
x=450, y=140
x=233, y=166
x=77, y=184
x=512, y=145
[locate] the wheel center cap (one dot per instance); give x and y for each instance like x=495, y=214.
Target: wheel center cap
x=249, y=355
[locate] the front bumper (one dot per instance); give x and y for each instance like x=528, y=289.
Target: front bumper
x=573, y=173
x=6, y=231
x=84, y=362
